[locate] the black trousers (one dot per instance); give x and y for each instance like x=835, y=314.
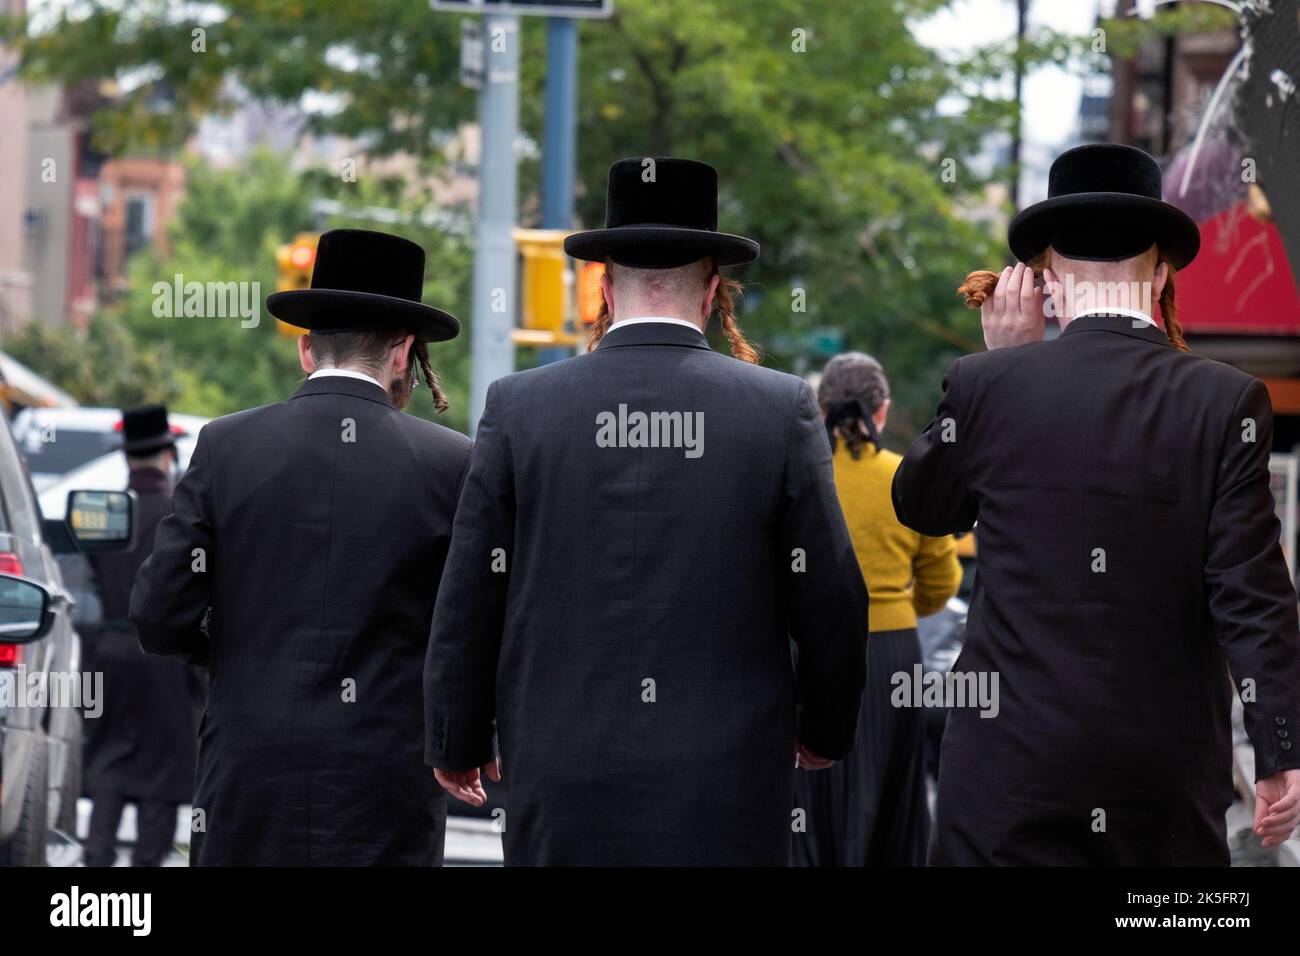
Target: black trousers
x=869, y=809
x=155, y=825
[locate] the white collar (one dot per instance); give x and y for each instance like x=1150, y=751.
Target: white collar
x=1114, y=310
x=345, y=373
x=656, y=318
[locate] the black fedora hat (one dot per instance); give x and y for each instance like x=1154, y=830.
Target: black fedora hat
x=145, y=430
x=661, y=213
x=364, y=280
x=1104, y=204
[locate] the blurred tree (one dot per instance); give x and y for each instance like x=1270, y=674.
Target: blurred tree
x=226, y=231
x=844, y=145
x=103, y=366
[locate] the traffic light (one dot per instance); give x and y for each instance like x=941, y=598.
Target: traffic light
x=294, y=262
x=545, y=279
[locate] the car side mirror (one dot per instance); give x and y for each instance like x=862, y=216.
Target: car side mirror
x=58, y=537
x=24, y=610
x=100, y=520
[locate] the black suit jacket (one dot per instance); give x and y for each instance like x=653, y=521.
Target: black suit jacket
x=624, y=614
x=316, y=531
x=1127, y=545
x=142, y=745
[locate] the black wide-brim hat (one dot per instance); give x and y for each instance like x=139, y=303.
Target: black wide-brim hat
x=1104, y=204
x=661, y=213
x=364, y=280
x=145, y=430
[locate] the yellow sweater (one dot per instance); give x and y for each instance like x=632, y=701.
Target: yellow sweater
x=908, y=575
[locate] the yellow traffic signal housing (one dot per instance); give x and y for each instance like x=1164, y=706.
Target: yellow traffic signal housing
x=545, y=279
x=294, y=262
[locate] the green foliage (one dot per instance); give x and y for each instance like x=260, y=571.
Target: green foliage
x=831, y=153
x=391, y=63
x=824, y=122
x=104, y=366
x=227, y=230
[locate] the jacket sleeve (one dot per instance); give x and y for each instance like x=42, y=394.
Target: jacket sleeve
x=460, y=667
x=937, y=572
x=930, y=492
x=1250, y=593
x=827, y=599
x=173, y=588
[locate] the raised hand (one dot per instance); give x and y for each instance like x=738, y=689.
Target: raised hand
x=1015, y=313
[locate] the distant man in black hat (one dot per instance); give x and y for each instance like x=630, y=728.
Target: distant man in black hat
x=312, y=535
x=140, y=749
x=643, y=531
x=1128, y=551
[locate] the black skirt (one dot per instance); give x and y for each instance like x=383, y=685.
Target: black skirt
x=869, y=809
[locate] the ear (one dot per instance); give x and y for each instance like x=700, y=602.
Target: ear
x=607, y=290
x=1159, y=279
x=710, y=294
x=882, y=414
x=402, y=360
x=305, y=358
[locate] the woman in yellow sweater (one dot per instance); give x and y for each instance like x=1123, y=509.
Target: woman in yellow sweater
x=870, y=808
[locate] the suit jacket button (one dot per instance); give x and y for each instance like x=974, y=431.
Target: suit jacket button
x=1283, y=734
x=1280, y=721
x=1285, y=745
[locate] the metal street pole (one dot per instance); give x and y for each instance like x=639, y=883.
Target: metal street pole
x=492, y=352
x=1022, y=21
x=558, y=136
x=558, y=139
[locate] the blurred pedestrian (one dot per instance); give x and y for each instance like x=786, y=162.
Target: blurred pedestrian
x=870, y=809
x=1128, y=550
x=141, y=748
x=621, y=592
x=316, y=530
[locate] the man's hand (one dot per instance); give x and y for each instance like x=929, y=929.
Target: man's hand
x=805, y=759
x=467, y=785
x=1277, y=807
x=1016, y=311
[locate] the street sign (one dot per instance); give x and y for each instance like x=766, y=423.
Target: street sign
x=471, y=55
x=823, y=343
x=544, y=8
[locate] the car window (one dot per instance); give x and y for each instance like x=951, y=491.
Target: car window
x=19, y=506
x=58, y=450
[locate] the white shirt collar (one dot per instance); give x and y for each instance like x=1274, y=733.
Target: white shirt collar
x=345, y=373
x=1136, y=314
x=656, y=318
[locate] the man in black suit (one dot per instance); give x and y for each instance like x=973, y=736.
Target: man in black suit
x=643, y=531
x=315, y=531
x=1128, y=550
x=141, y=748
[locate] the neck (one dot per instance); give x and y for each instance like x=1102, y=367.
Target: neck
x=384, y=377
x=658, y=313
x=1103, y=294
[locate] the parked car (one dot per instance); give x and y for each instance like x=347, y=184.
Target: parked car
x=40, y=738
x=56, y=441
x=108, y=472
